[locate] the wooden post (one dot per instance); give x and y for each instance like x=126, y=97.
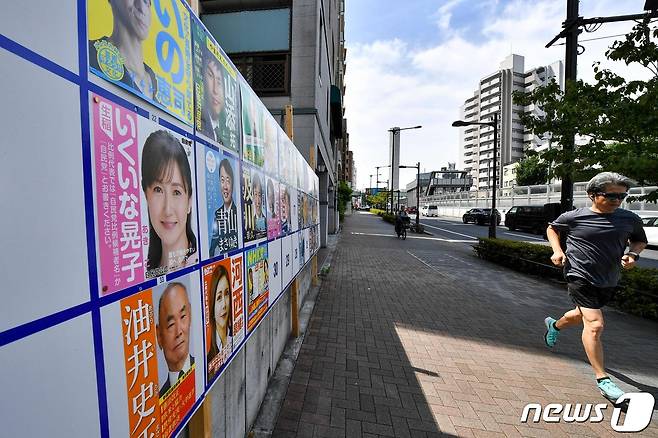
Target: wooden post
x=294, y=307
x=201, y=422
x=288, y=122
x=315, y=281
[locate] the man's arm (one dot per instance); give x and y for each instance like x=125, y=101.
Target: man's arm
x=628, y=260
x=558, y=258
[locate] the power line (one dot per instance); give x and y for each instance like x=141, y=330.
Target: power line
x=594, y=39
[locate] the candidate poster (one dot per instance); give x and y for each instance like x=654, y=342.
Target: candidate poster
x=257, y=275
x=222, y=191
x=273, y=198
x=145, y=220
x=275, y=269
x=158, y=333
x=294, y=209
x=145, y=48
x=254, y=134
x=216, y=115
x=223, y=301
x=253, y=205
x=285, y=206
x=285, y=158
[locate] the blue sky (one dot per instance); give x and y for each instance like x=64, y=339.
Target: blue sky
x=412, y=62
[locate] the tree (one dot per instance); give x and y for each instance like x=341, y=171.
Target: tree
x=380, y=199
x=617, y=118
x=531, y=171
x=344, y=196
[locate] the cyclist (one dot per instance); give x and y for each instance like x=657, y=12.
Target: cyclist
x=401, y=219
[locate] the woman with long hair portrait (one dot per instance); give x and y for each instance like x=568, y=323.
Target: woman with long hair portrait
x=221, y=318
x=167, y=185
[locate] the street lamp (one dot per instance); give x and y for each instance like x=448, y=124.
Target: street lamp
x=494, y=124
x=395, y=131
x=417, y=166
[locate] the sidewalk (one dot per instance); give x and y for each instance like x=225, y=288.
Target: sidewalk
x=419, y=338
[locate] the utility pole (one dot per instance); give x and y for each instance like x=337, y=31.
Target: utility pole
x=571, y=30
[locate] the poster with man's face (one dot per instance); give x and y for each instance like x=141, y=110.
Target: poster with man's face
x=273, y=197
x=144, y=197
x=223, y=206
x=257, y=277
x=254, y=134
x=144, y=47
x=216, y=114
x=254, y=205
x=152, y=341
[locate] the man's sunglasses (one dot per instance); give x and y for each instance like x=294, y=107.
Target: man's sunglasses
x=611, y=196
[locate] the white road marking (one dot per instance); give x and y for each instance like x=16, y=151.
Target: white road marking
x=413, y=237
x=522, y=235
x=453, y=232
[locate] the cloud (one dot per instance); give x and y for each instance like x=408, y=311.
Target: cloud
x=391, y=83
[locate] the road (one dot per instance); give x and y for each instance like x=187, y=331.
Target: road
x=453, y=230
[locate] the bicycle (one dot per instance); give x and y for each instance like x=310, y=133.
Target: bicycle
x=402, y=231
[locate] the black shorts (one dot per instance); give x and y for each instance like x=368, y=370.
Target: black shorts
x=587, y=295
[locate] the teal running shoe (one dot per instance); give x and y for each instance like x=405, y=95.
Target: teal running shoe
x=609, y=390
x=550, y=337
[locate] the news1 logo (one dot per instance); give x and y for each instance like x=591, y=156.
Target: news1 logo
x=638, y=414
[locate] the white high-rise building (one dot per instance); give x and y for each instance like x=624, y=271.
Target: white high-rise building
x=494, y=95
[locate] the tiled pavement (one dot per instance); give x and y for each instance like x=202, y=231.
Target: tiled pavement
x=419, y=338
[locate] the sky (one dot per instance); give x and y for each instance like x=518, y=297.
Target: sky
x=415, y=62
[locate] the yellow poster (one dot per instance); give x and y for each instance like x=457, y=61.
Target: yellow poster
x=144, y=46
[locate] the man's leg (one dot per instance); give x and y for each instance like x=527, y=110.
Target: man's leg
x=569, y=319
x=592, y=331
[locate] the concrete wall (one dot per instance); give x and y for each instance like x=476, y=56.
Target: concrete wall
x=237, y=395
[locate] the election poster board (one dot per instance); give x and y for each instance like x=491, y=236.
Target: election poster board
x=216, y=115
x=146, y=49
x=145, y=197
x=257, y=275
x=223, y=299
x=165, y=203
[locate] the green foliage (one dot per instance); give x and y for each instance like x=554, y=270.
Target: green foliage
x=344, y=196
x=531, y=171
x=619, y=117
x=638, y=287
x=380, y=199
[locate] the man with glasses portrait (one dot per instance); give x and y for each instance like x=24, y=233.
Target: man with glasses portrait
x=596, y=241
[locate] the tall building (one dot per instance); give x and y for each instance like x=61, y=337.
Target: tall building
x=494, y=95
x=293, y=53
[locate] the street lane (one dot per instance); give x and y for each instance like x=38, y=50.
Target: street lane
x=452, y=229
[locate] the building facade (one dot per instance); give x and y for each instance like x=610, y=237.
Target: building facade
x=293, y=53
x=494, y=95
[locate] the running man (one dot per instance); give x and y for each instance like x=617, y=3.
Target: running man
x=596, y=238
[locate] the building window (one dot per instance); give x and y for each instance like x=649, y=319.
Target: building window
x=268, y=74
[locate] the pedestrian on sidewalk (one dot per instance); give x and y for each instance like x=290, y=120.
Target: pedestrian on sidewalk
x=596, y=240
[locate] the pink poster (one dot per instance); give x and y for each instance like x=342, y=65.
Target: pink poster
x=118, y=220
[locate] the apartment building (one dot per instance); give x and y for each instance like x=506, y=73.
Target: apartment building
x=494, y=95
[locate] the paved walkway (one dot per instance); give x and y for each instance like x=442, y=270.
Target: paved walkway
x=420, y=338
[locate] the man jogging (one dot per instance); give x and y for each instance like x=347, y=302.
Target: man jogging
x=596, y=239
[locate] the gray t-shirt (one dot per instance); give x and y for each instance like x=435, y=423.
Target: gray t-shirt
x=596, y=243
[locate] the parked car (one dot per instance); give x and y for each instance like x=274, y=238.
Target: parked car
x=534, y=218
x=429, y=210
x=650, y=224
x=480, y=216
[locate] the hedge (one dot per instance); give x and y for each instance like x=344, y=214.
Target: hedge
x=638, y=287
x=390, y=218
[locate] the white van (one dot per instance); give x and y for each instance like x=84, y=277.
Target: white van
x=429, y=210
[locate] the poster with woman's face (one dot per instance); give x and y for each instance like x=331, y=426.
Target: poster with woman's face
x=257, y=273
x=222, y=194
x=273, y=208
x=253, y=205
x=284, y=201
x=144, y=197
x=223, y=301
x=145, y=48
x=216, y=115
x=253, y=126
x=154, y=345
